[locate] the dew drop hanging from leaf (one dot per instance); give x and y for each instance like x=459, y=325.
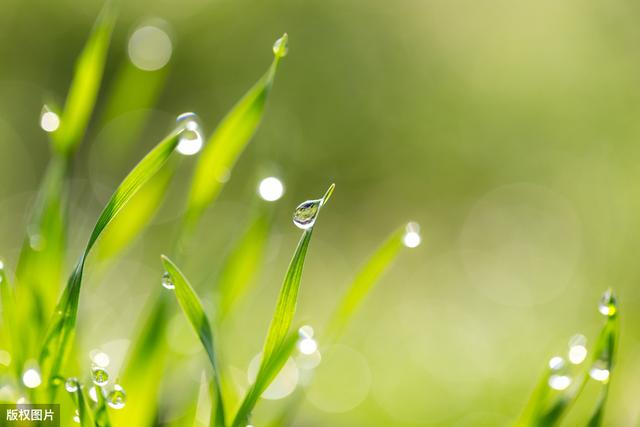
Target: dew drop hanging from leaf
x=167, y=283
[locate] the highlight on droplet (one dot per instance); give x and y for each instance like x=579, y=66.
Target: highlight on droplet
x=49, y=120
x=271, y=189
x=412, y=238
x=150, y=48
x=191, y=139
x=559, y=382
x=31, y=378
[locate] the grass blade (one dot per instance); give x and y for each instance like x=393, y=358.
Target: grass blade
x=7, y=297
x=62, y=326
x=84, y=88
x=364, y=281
x=243, y=262
x=192, y=309
x=229, y=140
x=278, y=341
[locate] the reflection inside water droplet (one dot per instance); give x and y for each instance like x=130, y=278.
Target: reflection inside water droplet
x=608, y=304
x=191, y=137
x=306, y=213
x=116, y=397
x=71, y=385
x=167, y=282
x=99, y=376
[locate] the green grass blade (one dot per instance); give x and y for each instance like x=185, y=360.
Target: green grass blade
x=278, y=341
x=242, y=263
x=85, y=85
x=267, y=373
x=9, y=320
x=192, y=309
x=62, y=327
x=364, y=281
x=229, y=140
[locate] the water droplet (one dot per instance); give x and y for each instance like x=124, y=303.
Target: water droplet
x=167, y=282
x=191, y=137
x=600, y=371
x=608, y=304
x=577, y=349
x=306, y=213
x=271, y=189
x=37, y=242
x=71, y=385
x=99, y=376
x=93, y=394
x=306, y=331
x=281, y=46
x=307, y=346
x=559, y=382
x=150, y=48
x=99, y=358
x=412, y=238
x=76, y=417
x=556, y=363
x=31, y=378
x=49, y=121
x=116, y=397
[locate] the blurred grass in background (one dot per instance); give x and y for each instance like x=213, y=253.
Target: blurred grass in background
x=508, y=130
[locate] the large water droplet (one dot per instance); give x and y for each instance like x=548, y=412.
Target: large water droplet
x=281, y=46
x=191, y=137
x=306, y=213
x=167, y=282
x=99, y=376
x=49, y=120
x=71, y=385
x=116, y=397
x=31, y=378
x=608, y=303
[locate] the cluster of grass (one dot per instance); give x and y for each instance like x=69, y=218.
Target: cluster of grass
x=44, y=363
x=40, y=335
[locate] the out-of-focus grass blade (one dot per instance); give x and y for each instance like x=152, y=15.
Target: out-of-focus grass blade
x=268, y=371
x=277, y=344
x=62, y=327
x=136, y=215
x=84, y=412
x=192, y=309
x=229, y=140
x=547, y=407
x=243, y=262
x=604, y=355
x=145, y=368
x=101, y=415
x=364, y=282
x=85, y=85
x=9, y=319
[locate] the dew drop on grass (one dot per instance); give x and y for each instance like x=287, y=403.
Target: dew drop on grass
x=93, y=394
x=116, y=397
x=608, y=304
x=599, y=371
x=306, y=213
x=281, y=46
x=556, y=363
x=31, y=378
x=191, y=137
x=559, y=382
x=167, y=282
x=412, y=238
x=49, y=120
x=99, y=376
x=76, y=417
x=577, y=349
x=71, y=385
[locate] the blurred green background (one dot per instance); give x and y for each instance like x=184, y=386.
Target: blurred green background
x=508, y=130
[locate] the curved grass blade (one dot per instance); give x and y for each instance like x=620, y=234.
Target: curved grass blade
x=192, y=309
x=229, y=140
x=268, y=371
x=7, y=297
x=84, y=88
x=364, y=281
x=277, y=342
x=62, y=327
x=84, y=412
x=101, y=415
x=243, y=262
